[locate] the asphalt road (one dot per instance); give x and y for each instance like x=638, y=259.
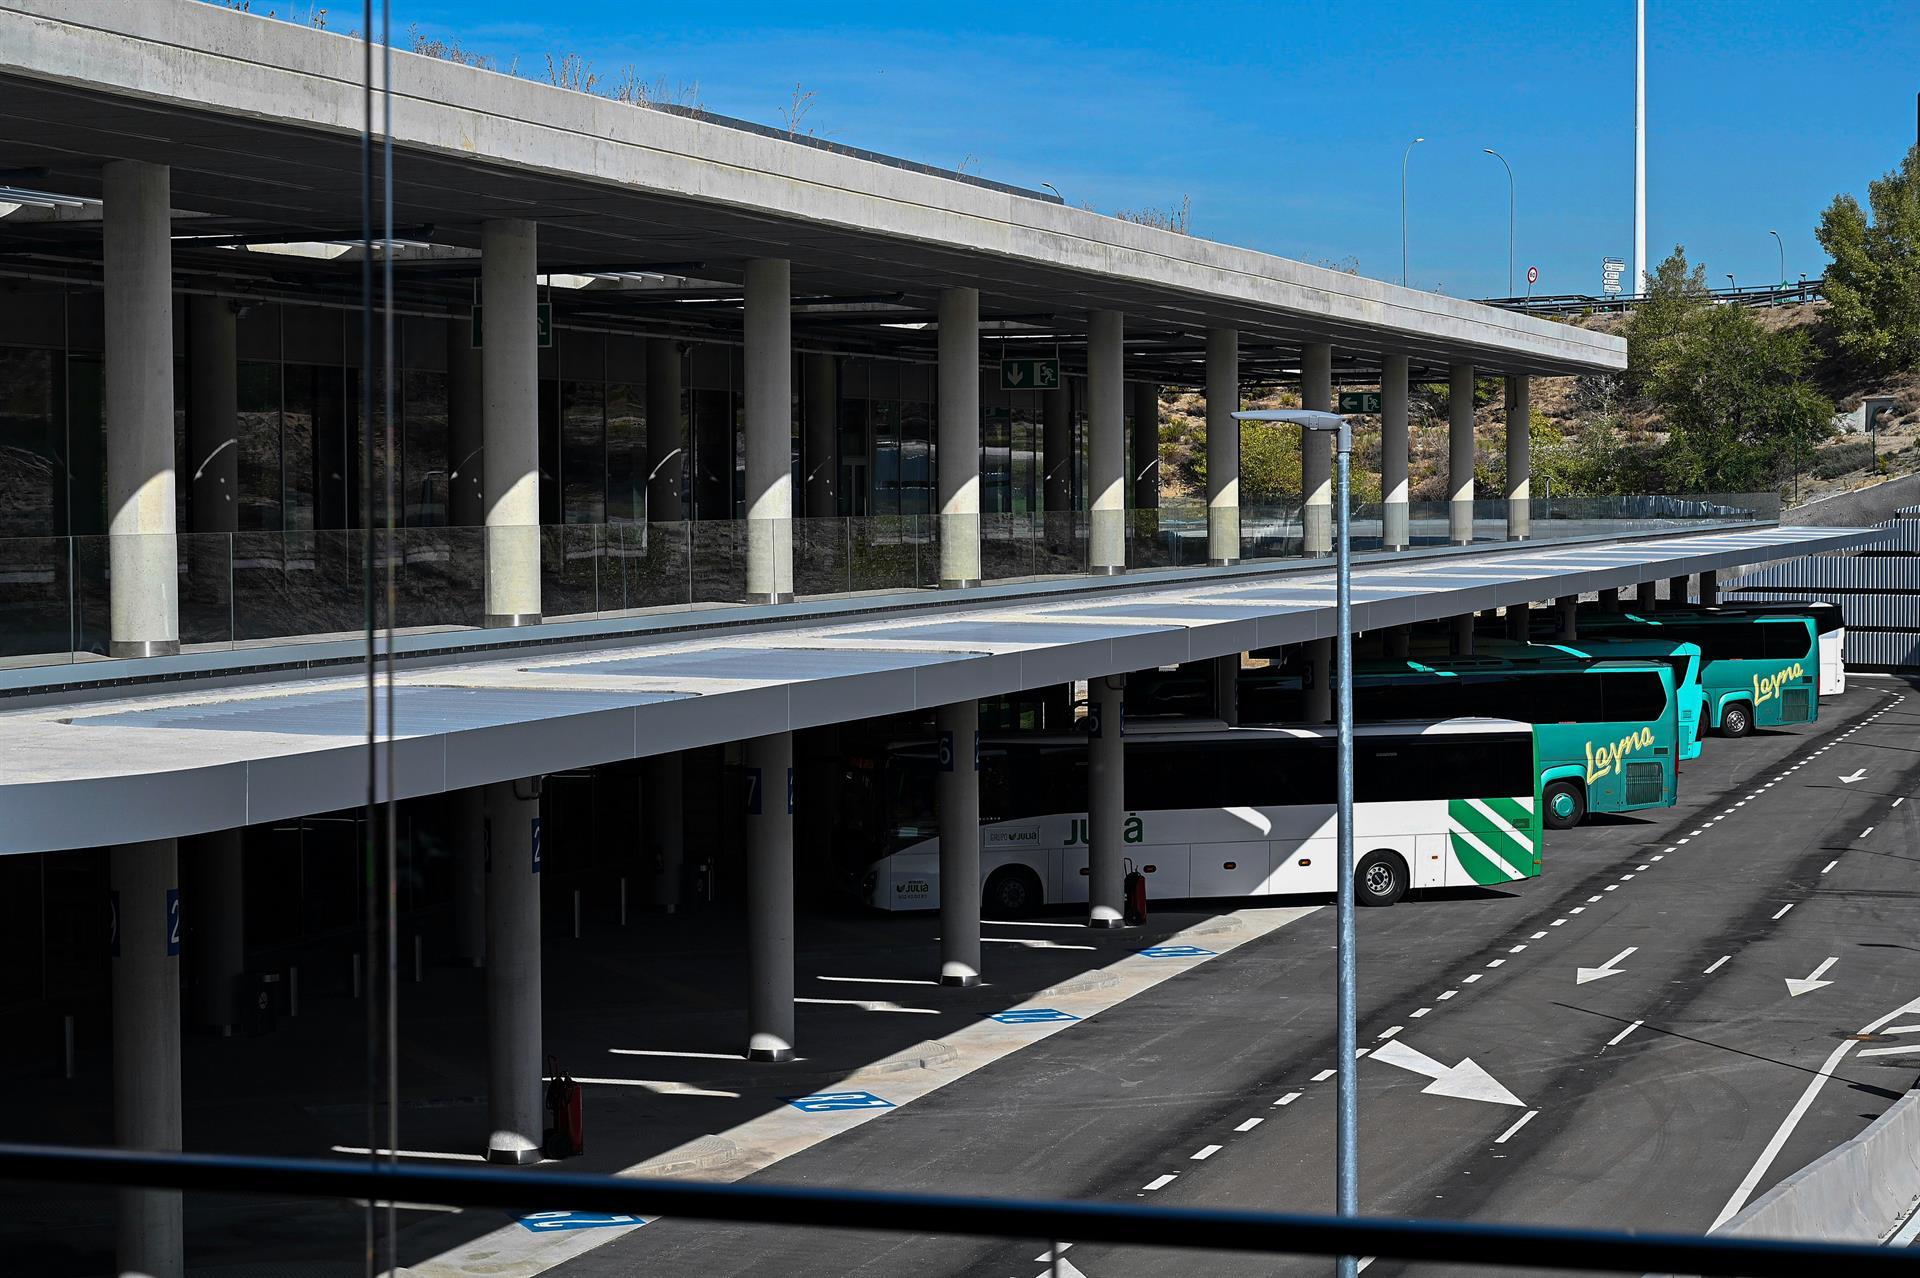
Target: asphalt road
x=1662, y=1093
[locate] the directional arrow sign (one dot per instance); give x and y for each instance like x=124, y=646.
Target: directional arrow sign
x=1466, y=1080
x=1795, y=988
x=1858, y=773
x=1609, y=968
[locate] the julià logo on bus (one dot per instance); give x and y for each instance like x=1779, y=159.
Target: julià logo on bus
x=1767, y=687
x=1602, y=762
x=1133, y=832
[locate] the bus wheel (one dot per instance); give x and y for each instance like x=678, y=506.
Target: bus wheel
x=1011, y=891
x=1381, y=879
x=1566, y=805
x=1736, y=720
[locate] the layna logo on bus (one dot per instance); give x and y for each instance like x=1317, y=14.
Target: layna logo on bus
x=1767, y=687
x=1606, y=759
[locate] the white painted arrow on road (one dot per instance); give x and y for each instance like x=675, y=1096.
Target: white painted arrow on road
x=1609, y=968
x=1467, y=1081
x=1858, y=773
x=1795, y=988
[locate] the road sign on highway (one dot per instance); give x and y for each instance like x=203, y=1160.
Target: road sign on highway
x=1611, y=269
x=1359, y=401
x=1533, y=275
x=1029, y=374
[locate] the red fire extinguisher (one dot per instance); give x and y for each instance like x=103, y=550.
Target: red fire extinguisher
x=1135, y=888
x=567, y=1136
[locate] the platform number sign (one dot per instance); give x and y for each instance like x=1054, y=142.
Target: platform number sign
x=946, y=750
x=173, y=922
x=789, y=791
x=536, y=845
x=753, y=792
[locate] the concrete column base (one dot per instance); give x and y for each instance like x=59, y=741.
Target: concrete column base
x=513, y=1157
x=1221, y=563
x=1107, y=923
x=507, y=620
x=960, y=982
x=144, y=648
x=960, y=583
x=770, y=1055
x=1107, y=570
x=769, y=599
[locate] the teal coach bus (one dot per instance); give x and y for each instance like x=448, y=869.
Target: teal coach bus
x=1759, y=669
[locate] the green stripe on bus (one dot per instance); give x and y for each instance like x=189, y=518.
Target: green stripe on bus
x=1475, y=863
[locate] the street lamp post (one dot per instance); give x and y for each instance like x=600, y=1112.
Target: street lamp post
x=1403, y=206
x=1347, y=1138
x=1503, y=160
x=1782, y=246
x=1731, y=286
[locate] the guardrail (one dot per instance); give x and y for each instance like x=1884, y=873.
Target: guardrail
x=1186, y=1229
x=1588, y=304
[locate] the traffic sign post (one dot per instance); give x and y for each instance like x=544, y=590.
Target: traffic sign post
x=1611, y=269
x=1533, y=277
x=1360, y=401
x=1029, y=374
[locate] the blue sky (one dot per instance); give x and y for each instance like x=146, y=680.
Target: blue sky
x=1285, y=123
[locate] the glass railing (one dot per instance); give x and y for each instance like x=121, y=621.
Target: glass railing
x=234, y=590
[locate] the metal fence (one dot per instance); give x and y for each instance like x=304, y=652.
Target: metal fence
x=1589, y=304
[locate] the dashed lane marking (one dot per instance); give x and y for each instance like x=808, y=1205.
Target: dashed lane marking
x=1496, y=963
x=1288, y=1099
x=1619, y=1038
x=1536, y=936
x=1869, y=830
x=1161, y=1182
x=1829, y=865
x=1391, y=1030
x=1250, y=1124
x=1468, y=980
x=1783, y=910
x=1716, y=965
x=1324, y=1075
x=1449, y=994
x=1516, y=949
x=1520, y=1122
x=1205, y=1152
x=1420, y=1012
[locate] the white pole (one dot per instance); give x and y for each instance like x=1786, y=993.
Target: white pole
x=1640, y=147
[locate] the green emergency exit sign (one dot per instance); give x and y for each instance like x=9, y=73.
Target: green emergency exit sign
x=1029, y=374
x=1360, y=401
x=543, y=321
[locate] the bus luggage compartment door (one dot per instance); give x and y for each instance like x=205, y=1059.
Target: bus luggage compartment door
x=1226, y=869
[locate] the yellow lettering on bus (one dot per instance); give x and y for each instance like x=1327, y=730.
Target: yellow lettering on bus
x=1606, y=759
x=1766, y=688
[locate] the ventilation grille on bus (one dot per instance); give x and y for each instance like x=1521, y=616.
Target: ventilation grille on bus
x=1644, y=783
x=1798, y=705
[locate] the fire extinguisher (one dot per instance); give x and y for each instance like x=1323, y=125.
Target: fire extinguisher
x=567, y=1136
x=1135, y=888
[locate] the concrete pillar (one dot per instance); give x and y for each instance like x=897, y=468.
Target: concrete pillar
x=137, y=280
x=1397, y=643
x=1223, y=446
x=1677, y=590
x=666, y=433
x=1519, y=622
x=1647, y=596
x=1393, y=452
x=769, y=338
x=1106, y=451
x=1567, y=619
x=213, y=415
x=1317, y=706
x=1316, y=452
x=514, y=1085
x=1610, y=599
x=770, y=897
x=822, y=426
x=146, y=1046
x=1106, y=802
x=510, y=383
x=1462, y=644
x=1519, y=457
x=959, y=438
x=466, y=425
x=1460, y=454
x=1710, y=587
x=216, y=953
x=467, y=814
x=959, y=806
x=663, y=805
x=1146, y=446
x=1226, y=688
x=1056, y=444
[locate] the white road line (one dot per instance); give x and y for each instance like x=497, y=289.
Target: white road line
x=1741, y=804
x=1891, y=1029
x=1419, y=1012
x=1468, y=980
x=1324, y=1075
x=1697, y=833
x=1558, y=923
x=1907, y=1050
x=1668, y=849
x=1783, y=910
x=1638, y=868
x=1611, y=887
x=1496, y=963
x=1362, y=1052
x=1902, y=799
x=1522, y=1121
x=1656, y=857
x=1205, y=1152
x=1829, y=865
x=1625, y=877
x=1288, y=1099
x=1449, y=994
x=1391, y=1030
x=1792, y=1120
x=1592, y=899
x=1617, y=1039
x=1516, y=949
x=1688, y=839
x=1869, y=830
x=1161, y=1182
x=1536, y=936
x=1716, y=965
x=1250, y=1124
x=1578, y=909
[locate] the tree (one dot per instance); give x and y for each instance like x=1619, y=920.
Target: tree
x=1873, y=286
x=1269, y=463
x=1739, y=411
x=1676, y=296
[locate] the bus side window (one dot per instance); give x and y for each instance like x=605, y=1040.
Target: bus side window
x=1785, y=640
x=1633, y=696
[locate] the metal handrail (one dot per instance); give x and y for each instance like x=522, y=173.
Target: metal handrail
x=1084, y=1222
x=1579, y=303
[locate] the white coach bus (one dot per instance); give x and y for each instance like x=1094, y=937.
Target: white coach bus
x=1213, y=811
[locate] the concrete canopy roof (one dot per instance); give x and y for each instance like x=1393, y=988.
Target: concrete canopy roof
x=187, y=759
x=260, y=122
